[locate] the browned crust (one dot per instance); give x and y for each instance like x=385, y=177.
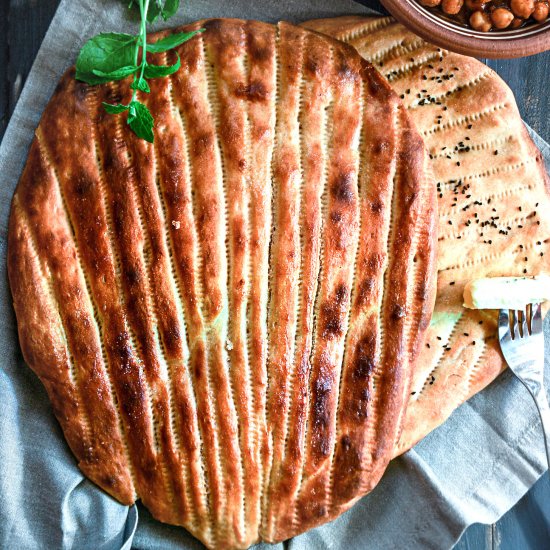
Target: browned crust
x=447, y=377
x=226, y=322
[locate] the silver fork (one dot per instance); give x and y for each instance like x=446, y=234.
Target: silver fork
x=522, y=344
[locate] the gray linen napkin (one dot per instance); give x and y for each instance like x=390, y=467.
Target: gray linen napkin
x=472, y=469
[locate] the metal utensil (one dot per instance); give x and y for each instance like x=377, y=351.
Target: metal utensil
x=522, y=344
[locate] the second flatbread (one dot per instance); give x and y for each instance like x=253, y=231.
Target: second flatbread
x=493, y=195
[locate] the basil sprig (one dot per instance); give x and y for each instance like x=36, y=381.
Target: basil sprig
x=109, y=57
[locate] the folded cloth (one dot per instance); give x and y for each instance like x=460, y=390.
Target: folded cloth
x=472, y=469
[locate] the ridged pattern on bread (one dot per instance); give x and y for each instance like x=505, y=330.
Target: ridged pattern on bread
x=494, y=203
x=226, y=321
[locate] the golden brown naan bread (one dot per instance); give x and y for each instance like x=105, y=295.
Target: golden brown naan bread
x=226, y=321
x=494, y=206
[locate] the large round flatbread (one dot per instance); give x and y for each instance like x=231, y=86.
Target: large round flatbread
x=226, y=321
x=494, y=203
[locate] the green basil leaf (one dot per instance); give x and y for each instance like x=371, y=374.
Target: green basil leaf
x=172, y=41
x=106, y=52
x=141, y=121
x=170, y=8
x=165, y=8
x=155, y=9
x=114, y=109
x=140, y=84
x=158, y=71
x=118, y=74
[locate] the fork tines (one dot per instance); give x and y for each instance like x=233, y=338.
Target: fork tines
x=521, y=323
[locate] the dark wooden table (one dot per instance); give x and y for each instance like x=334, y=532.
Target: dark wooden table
x=23, y=24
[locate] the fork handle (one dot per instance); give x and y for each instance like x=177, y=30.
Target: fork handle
x=544, y=411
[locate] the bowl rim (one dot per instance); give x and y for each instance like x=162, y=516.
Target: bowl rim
x=504, y=44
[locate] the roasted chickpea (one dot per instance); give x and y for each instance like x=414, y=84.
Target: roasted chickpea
x=486, y=15
x=517, y=22
x=476, y=4
x=452, y=7
x=501, y=18
x=541, y=11
x=523, y=8
x=480, y=21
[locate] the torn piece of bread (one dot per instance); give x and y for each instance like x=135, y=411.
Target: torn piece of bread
x=506, y=292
